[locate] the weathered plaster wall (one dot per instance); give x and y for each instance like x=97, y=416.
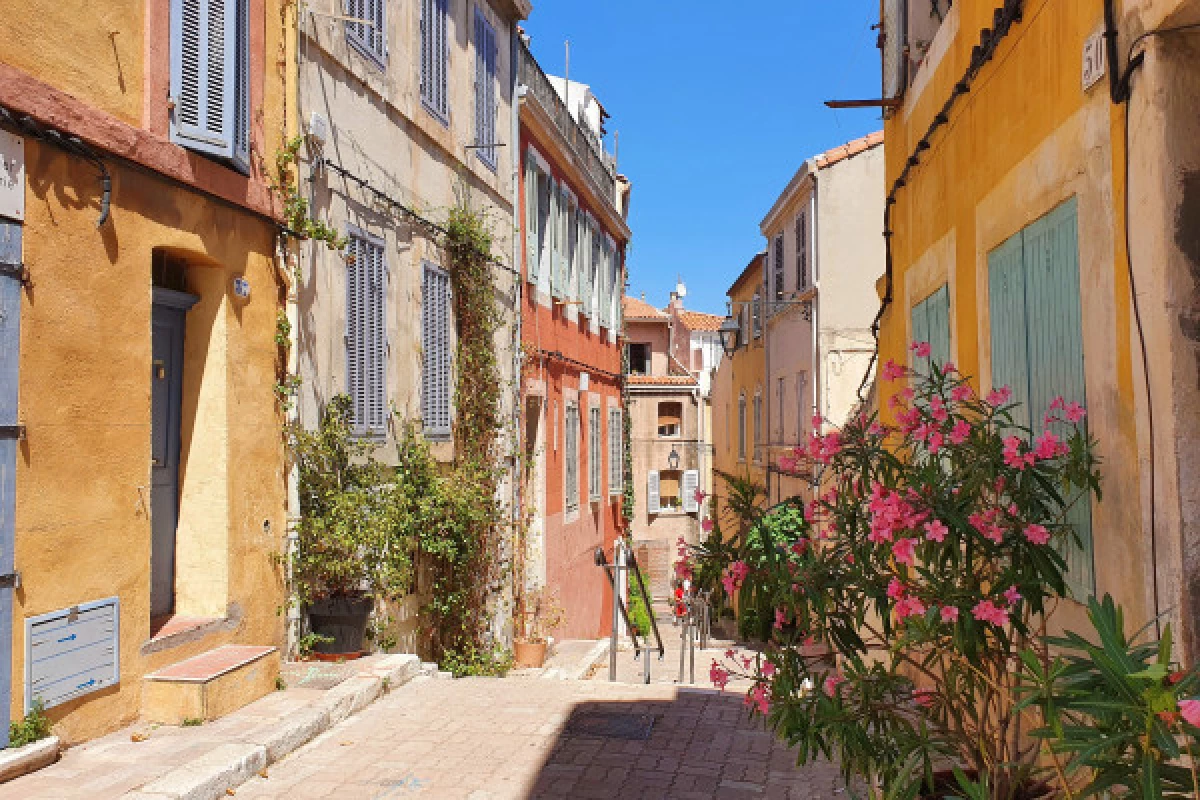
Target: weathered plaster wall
x=83, y=475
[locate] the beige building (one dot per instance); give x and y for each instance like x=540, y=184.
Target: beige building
x=671, y=357
x=824, y=255
x=406, y=111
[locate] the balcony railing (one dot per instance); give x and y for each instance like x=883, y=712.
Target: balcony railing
x=583, y=142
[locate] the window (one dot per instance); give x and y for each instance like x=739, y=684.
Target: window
x=435, y=348
x=616, y=452
x=595, y=455
x=670, y=419
x=756, y=315
x=485, y=88
x=639, y=359
x=571, y=455
x=931, y=323
x=780, y=404
x=366, y=333
x=210, y=78
x=779, y=268
x=669, y=483
x=758, y=426
x=572, y=249
x=802, y=251
x=742, y=428
x=1037, y=344
x=691, y=485
x=587, y=267
x=369, y=36
x=435, y=58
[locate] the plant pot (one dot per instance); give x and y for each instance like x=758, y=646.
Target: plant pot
x=344, y=619
x=529, y=654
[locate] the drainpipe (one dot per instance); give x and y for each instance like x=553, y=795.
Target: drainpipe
x=518, y=510
x=818, y=367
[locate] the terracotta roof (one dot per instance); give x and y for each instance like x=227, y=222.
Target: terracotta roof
x=661, y=380
x=640, y=309
x=699, y=321
x=849, y=150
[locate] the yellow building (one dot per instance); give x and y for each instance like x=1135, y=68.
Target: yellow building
x=139, y=431
x=1006, y=172
x=739, y=405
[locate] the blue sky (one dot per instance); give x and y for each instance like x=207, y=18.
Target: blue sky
x=717, y=107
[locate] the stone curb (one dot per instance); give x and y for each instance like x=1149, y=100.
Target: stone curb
x=19, y=761
x=230, y=765
x=594, y=656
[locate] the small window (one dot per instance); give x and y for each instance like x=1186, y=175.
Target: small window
x=779, y=268
x=670, y=483
x=485, y=89
x=366, y=332
x=571, y=455
x=435, y=59
x=639, y=359
x=670, y=419
x=742, y=428
x=365, y=30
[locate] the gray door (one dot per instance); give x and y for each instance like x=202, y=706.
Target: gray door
x=10, y=329
x=166, y=381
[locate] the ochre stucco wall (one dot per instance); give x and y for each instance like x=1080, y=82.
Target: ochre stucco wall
x=83, y=474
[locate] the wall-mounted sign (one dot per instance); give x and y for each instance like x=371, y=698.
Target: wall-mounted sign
x=12, y=176
x=1095, y=60
x=72, y=652
x=241, y=287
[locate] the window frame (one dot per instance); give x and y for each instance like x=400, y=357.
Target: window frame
x=357, y=39
x=435, y=58
x=371, y=402
x=595, y=453
x=616, y=452
x=571, y=455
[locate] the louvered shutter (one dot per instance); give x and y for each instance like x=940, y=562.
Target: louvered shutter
x=210, y=86
x=595, y=456
x=435, y=342
x=377, y=411
x=742, y=427
x=532, y=267
x=572, y=250
x=802, y=251
x=598, y=276
x=691, y=483
x=552, y=244
x=616, y=460
x=779, y=268
x=355, y=333
x=893, y=46
x=653, y=502
x=571, y=455
x=369, y=37
x=366, y=334
x=434, y=58
x=587, y=278
x=485, y=88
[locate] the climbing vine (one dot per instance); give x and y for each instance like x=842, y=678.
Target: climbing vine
x=627, y=496
x=295, y=206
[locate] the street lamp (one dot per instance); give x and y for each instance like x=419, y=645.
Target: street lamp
x=731, y=334
x=673, y=459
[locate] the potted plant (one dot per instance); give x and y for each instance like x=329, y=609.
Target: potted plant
x=542, y=614
x=350, y=550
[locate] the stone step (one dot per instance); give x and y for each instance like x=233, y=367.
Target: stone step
x=210, y=685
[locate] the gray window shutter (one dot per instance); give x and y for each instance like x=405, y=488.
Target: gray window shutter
x=691, y=482
x=742, y=427
x=571, y=254
x=434, y=58
x=485, y=88
x=595, y=457
x=532, y=267
x=616, y=461
x=366, y=333
x=436, y=357
x=779, y=268
x=355, y=335
x=377, y=410
x=653, y=503
x=370, y=36
x=571, y=455
x=802, y=251
x=210, y=78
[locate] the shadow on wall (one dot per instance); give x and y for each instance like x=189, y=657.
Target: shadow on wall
x=701, y=743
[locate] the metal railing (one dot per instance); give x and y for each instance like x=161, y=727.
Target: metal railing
x=582, y=142
x=696, y=627
x=628, y=565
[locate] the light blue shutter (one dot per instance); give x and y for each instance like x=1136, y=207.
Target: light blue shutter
x=572, y=250
x=356, y=356
x=10, y=350
x=691, y=484
x=434, y=57
x=368, y=37
x=931, y=323
x=653, y=488
x=377, y=410
x=616, y=461
x=552, y=243
x=210, y=77
x=595, y=456
x=435, y=345
x=485, y=88
x=1037, y=344
x=532, y=267
x=366, y=333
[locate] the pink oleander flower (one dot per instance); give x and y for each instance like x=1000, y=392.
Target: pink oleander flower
x=735, y=576
x=800, y=547
x=962, y=393
x=960, y=432
x=924, y=697
x=781, y=619
x=1036, y=534
x=787, y=464
x=988, y=611
x=706, y=526
x=1058, y=403
x=999, y=397
x=936, y=531
x=758, y=698
x=817, y=420
x=937, y=409
x=922, y=431
x=949, y=367
x=1049, y=446
x=700, y=495
x=896, y=589
x=1012, y=595
x=892, y=371
x=768, y=669
x=1012, y=453
x=1190, y=709
x=1075, y=412
x=718, y=675
x=876, y=429
x=922, y=349
x=832, y=681
x=908, y=607
x=950, y=614
x=936, y=440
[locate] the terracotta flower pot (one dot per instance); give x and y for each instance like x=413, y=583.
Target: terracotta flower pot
x=529, y=654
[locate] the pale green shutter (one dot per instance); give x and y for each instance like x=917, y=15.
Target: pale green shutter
x=931, y=323
x=1037, y=343
x=531, y=221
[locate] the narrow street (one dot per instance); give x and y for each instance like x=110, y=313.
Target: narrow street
x=488, y=738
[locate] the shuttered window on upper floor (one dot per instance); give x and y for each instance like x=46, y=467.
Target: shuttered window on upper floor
x=485, y=89
x=779, y=268
x=571, y=455
x=616, y=452
x=802, y=251
x=595, y=454
x=435, y=58
x=366, y=333
x=436, y=378
x=366, y=28
x=1037, y=347
x=210, y=78
x=931, y=323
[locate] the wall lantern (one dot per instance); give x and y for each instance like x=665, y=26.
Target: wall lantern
x=731, y=334
x=673, y=459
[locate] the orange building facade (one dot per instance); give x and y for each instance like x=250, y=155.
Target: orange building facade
x=573, y=236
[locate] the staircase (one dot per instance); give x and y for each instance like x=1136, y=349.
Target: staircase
x=210, y=685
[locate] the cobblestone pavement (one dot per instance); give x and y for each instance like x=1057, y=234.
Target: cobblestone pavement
x=490, y=738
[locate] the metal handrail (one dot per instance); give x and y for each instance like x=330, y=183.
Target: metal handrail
x=612, y=571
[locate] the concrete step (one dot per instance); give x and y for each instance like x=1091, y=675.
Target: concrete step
x=210, y=685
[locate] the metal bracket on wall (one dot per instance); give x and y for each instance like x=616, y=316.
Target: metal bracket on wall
x=12, y=580
x=16, y=272
x=12, y=432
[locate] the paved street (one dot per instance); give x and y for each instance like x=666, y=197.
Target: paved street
x=488, y=739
